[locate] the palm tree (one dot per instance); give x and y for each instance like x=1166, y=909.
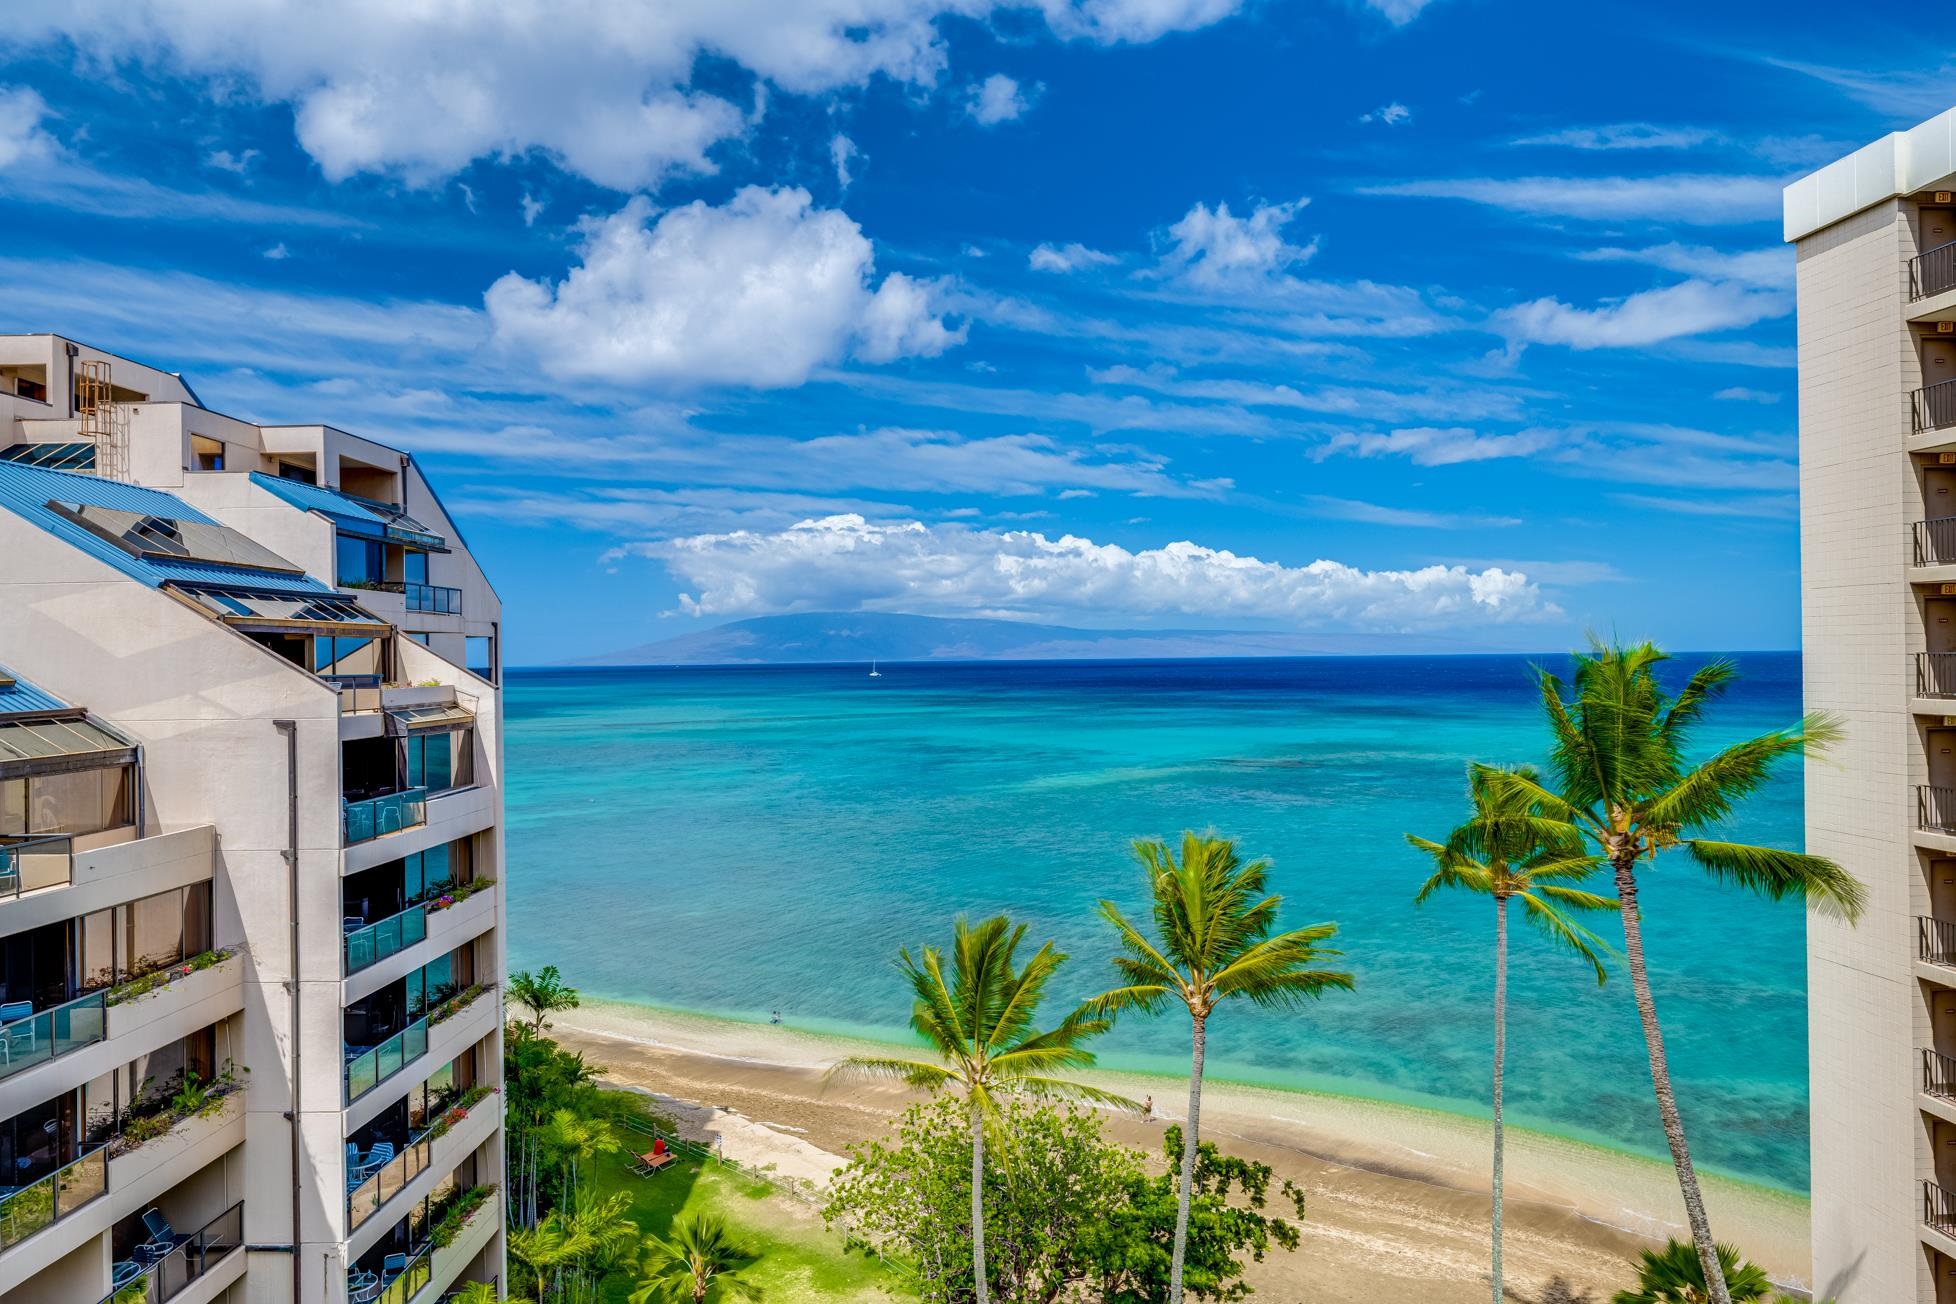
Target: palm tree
x=1618, y=758
x=1674, y=1275
x=1215, y=923
x=698, y=1256
x=978, y=1020
x=1510, y=851
x=482, y=1292
x=576, y=1139
x=588, y=1234
x=544, y=993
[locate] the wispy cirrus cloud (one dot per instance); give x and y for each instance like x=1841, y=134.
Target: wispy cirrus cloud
x=1622, y=135
x=1647, y=317
x=1699, y=199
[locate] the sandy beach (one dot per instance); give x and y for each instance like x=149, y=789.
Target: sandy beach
x=1397, y=1196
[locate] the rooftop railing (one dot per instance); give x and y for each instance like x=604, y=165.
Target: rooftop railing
x=1935, y=808
x=368, y=1068
x=199, y=1253
x=1939, y=1207
x=1932, y=271
x=27, y=1209
x=368, y=946
x=35, y=863
x=51, y=1033
x=1935, y=940
x=1935, y=406
x=378, y=816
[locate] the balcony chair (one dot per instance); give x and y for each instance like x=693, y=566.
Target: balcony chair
x=352, y=924
x=15, y=1038
x=9, y=872
x=162, y=1237
x=123, y=1272
x=393, y=1265
x=362, y=1287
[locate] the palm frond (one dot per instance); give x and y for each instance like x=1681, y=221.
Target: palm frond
x=915, y=1073
x=1566, y=932
x=1778, y=874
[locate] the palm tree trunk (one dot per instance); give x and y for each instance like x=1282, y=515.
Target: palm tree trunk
x=1500, y=1067
x=979, y=1281
x=1198, y=1042
x=1660, y=1080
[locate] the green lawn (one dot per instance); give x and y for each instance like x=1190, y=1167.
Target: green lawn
x=800, y=1258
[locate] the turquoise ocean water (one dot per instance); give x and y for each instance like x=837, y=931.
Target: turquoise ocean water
x=738, y=840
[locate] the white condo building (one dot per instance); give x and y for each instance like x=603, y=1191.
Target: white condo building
x=1875, y=235
x=250, y=851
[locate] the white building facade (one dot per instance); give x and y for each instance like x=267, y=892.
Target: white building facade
x=250, y=856
x=1875, y=235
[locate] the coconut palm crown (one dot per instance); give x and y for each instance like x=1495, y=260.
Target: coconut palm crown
x=1619, y=759
x=978, y=1020
x=1215, y=941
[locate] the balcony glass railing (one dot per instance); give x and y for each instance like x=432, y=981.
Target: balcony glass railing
x=396, y=1287
x=367, y=1068
x=374, y=1191
x=378, y=816
x=370, y=945
x=27, y=1209
x=35, y=863
x=432, y=599
x=200, y=1253
x=52, y=1033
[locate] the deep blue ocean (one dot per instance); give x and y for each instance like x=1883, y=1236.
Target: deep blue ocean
x=738, y=840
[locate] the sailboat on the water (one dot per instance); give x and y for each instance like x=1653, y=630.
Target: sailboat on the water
x=874, y=673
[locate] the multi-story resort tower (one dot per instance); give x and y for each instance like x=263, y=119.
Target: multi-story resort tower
x=250, y=844
x=1876, y=241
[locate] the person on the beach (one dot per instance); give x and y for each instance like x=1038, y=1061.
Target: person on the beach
x=1147, y=1109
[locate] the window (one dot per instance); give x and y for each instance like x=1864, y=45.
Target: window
x=480, y=656
x=206, y=454
x=81, y=801
x=422, y=639
x=139, y=937
x=441, y=761
x=414, y=567
x=360, y=659
x=294, y=471
x=362, y=563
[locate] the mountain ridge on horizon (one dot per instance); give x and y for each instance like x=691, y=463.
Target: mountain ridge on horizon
x=829, y=637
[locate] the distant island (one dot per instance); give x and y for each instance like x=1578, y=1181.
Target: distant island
x=820, y=637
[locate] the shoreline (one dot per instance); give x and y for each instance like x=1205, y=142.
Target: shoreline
x=1403, y=1187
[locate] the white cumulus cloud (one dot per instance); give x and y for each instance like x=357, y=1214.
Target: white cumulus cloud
x=1394, y=114
x=846, y=562
x=604, y=87
x=759, y=291
x=1213, y=248
x=996, y=99
x=1067, y=258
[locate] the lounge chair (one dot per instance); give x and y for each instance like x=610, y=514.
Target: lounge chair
x=162, y=1237
x=21, y=1038
x=393, y=1265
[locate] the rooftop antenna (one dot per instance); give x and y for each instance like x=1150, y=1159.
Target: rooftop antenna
x=102, y=422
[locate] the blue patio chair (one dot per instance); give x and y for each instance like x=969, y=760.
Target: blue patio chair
x=9, y=871
x=362, y=1287
x=393, y=1265
x=162, y=1237
x=21, y=1038
x=351, y=923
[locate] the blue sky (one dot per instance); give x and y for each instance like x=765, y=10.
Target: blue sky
x=1462, y=318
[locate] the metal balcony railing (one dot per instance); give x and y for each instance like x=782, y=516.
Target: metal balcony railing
x=1935, y=940
x=433, y=599
x=1935, y=808
x=1939, y=1207
x=45, y=1202
x=1935, y=406
x=1935, y=674
x=1938, y=1075
x=199, y=1253
x=1932, y=271
x=51, y=1033
x=1935, y=541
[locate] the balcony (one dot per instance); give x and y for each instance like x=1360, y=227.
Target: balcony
x=1935, y=809
x=1939, y=1208
x=431, y=599
x=1938, y=1075
x=1935, y=407
x=35, y=863
x=391, y=812
x=1932, y=272
x=465, y=1226
x=51, y=1033
x=440, y=1146
x=1935, y=941
x=366, y=947
x=194, y=1258
x=1935, y=674
x=368, y=1067
x=1935, y=541
x=27, y=1209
